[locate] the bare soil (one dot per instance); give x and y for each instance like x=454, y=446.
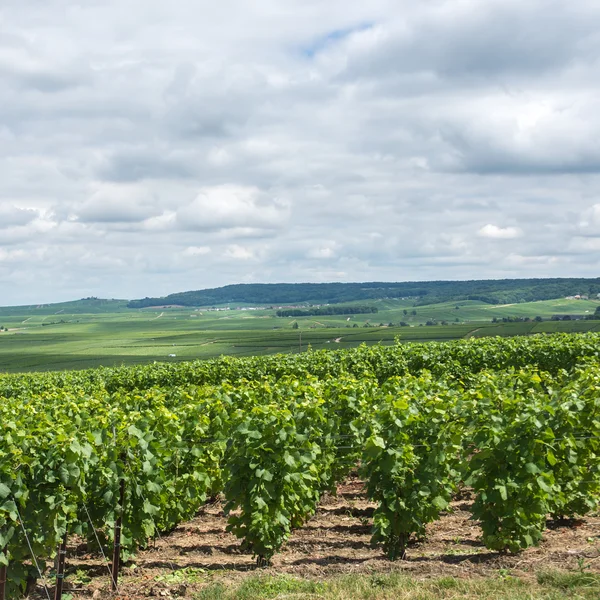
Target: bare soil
x=335, y=541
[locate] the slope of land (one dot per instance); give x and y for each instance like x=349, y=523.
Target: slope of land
x=83, y=306
x=501, y=291
x=45, y=339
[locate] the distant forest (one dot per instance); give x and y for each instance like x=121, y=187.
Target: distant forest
x=323, y=311
x=500, y=291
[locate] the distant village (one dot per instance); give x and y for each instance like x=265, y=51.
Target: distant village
x=580, y=297
x=273, y=307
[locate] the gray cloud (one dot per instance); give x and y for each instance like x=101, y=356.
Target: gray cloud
x=12, y=215
x=328, y=141
x=474, y=40
x=117, y=204
x=142, y=164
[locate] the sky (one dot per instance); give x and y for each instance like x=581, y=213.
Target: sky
x=151, y=147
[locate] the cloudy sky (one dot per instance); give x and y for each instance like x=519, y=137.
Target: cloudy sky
x=149, y=147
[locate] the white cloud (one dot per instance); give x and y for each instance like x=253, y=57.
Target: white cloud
x=229, y=206
x=589, y=225
x=196, y=251
x=385, y=140
x=323, y=251
x=219, y=157
x=164, y=222
x=499, y=233
x=237, y=252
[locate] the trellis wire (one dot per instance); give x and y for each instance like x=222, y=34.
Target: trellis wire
x=106, y=561
x=35, y=562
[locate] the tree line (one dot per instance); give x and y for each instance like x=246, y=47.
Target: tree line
x=492, y=291
x=323, y=311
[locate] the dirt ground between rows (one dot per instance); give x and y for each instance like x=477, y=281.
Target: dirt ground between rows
x=335, y=541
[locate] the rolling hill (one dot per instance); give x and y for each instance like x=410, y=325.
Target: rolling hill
x=502, y=291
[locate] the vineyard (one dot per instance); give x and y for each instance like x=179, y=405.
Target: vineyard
x=117, y=456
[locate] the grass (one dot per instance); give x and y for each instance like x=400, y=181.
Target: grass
x=65, y=336
x=265, y=587
x=548, y=586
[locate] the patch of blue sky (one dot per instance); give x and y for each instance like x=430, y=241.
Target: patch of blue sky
x=332, y=37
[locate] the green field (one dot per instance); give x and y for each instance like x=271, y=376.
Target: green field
x=89, y=333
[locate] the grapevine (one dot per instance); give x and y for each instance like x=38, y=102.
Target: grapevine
x=518, y=420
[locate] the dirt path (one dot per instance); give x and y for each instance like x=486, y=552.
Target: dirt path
x=497, y=306
x=335, y=541
x=158, y=317
x=473, y=332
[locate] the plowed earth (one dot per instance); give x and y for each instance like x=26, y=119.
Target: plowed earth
x=335, y=541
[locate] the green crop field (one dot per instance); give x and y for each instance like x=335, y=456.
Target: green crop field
x=494, y=441
x=93, y=332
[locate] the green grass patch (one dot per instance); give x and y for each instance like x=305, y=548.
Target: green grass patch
x=570, y=581
x=549, y=586
x=264, y=587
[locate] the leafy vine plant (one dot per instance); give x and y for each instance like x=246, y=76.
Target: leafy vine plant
x=517, y=420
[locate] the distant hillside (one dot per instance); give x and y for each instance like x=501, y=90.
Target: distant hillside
x=501, y=291
x=74, y=307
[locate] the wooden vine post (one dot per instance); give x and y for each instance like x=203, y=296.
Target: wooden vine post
x=3, y=576
x=117, y=546
x=60, y=568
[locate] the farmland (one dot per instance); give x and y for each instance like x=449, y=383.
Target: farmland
x=90, y=333
x=503, y=434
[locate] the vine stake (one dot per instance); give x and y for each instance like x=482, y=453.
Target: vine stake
x=117, y=547
x=3, y=576
x=60, y=571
